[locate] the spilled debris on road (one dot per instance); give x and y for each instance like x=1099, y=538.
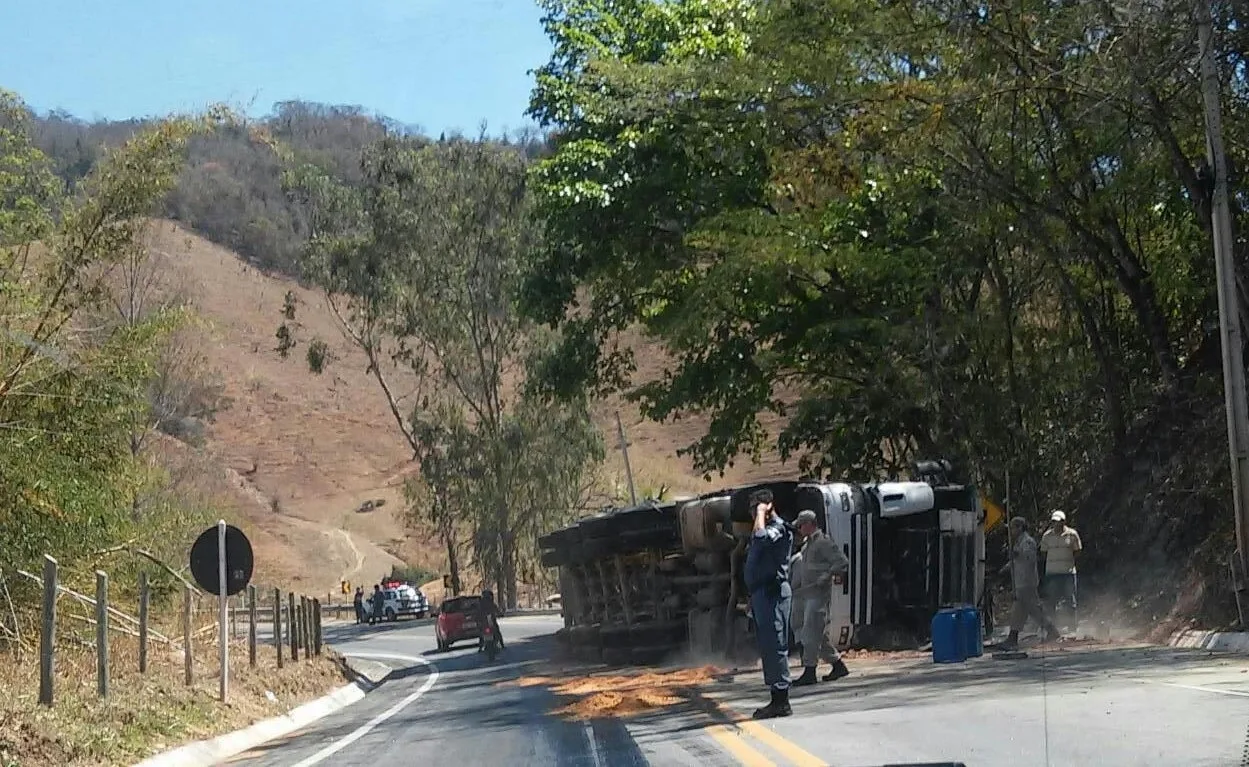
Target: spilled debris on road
x=623, y=695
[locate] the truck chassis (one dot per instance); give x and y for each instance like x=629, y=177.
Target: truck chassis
x=644, y=583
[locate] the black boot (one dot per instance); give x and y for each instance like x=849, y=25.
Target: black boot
x=839, y=670
x=808, y=677
x=778, y=707
x=1011, y=643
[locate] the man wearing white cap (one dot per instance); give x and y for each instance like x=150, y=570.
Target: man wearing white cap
x=1060, y=544
x=820, y=560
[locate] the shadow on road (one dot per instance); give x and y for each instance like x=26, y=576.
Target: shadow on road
x=356, y=631
x=876, y=686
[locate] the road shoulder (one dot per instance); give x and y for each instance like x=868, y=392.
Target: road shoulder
x=204, y=753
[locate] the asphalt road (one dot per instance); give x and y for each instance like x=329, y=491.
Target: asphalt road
x=1085, y=706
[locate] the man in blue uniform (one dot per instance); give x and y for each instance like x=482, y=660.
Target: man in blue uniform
x=767, y=579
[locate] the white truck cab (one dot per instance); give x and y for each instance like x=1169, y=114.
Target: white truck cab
x=912, y=547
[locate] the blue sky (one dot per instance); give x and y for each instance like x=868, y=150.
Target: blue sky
x=438, y=64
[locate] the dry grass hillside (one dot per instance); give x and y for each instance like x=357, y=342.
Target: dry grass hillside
x=300, y=453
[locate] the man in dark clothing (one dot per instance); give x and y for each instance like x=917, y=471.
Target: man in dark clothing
x=376, y=603
x=487, y=610
x=767, y=579
x=358, y=603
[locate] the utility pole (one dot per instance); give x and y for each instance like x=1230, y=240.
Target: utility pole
x=624, y=450
x=1234, y=392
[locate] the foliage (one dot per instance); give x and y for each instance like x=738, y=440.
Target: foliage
x=230, y=190
x=416, y=576
x=906, y=228
x=420, y=265
x=72, y=389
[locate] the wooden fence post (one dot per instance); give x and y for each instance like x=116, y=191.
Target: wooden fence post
x=277, y=623
x=186, y=636
x=310, y=607
x=144, y=599
x=101, y=633
x=292, y=619
x=303, y=625
x=312, y=626
x=251, y=626
x=316, y=626
x=47, y=637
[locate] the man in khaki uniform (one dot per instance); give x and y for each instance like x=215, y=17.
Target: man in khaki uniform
x=818, y=561
x=1024, y=578
x=1060, y=544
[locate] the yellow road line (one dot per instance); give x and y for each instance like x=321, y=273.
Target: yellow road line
x=782, y=746
x=726, y=735
x=734, y=721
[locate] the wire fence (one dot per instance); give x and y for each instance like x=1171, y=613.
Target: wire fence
x=284, y=624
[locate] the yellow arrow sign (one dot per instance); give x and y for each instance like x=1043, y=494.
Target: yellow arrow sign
x=994, y=514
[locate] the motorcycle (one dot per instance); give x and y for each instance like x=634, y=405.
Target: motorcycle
x=489, y=641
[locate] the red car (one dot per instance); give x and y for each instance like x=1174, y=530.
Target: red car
x=457, y=621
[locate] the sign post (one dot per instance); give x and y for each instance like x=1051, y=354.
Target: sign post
x=221, y=563
x=223, y=651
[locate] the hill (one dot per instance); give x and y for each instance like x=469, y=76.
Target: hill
x=299, y=454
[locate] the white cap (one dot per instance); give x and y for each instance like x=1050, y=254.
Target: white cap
x=1058, y=516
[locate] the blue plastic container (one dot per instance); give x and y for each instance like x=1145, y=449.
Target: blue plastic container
x=947, y=642
x=969, y=632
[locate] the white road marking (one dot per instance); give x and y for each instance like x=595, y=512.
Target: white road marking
x=589, y=734
x=365, y=728
x=1237, y=693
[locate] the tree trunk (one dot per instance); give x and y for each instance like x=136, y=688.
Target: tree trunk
x=507, y=561
x=1112, y=385
x=447, y=531
x=1138, y=286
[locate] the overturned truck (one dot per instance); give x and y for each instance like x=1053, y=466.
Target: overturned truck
x=642, y=583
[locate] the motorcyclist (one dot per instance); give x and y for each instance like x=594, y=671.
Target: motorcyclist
x=487, y=610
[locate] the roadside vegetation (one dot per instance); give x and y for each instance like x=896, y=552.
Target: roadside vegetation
x=146, y=713
x=102, y=400
x=911, y=230
x=854, y=235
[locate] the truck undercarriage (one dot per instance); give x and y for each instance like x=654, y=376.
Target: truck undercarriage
x=644, y=583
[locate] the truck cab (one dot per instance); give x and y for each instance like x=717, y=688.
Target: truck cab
x=913, y=548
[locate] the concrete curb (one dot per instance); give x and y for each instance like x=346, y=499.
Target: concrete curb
x=205, y=753
x=1216, y=641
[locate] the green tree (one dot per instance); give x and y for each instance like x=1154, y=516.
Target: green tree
x=71, y=390
x=421, y=266
x=907, y=228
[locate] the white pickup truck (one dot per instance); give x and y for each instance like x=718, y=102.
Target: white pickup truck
x=400, y=599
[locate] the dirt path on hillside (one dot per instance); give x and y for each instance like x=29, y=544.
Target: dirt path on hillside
x=345, y=558
x=359, y=558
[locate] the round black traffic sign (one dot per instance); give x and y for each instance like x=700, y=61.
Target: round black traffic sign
x=239, y=561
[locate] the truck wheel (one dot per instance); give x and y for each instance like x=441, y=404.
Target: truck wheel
x=390, y=615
